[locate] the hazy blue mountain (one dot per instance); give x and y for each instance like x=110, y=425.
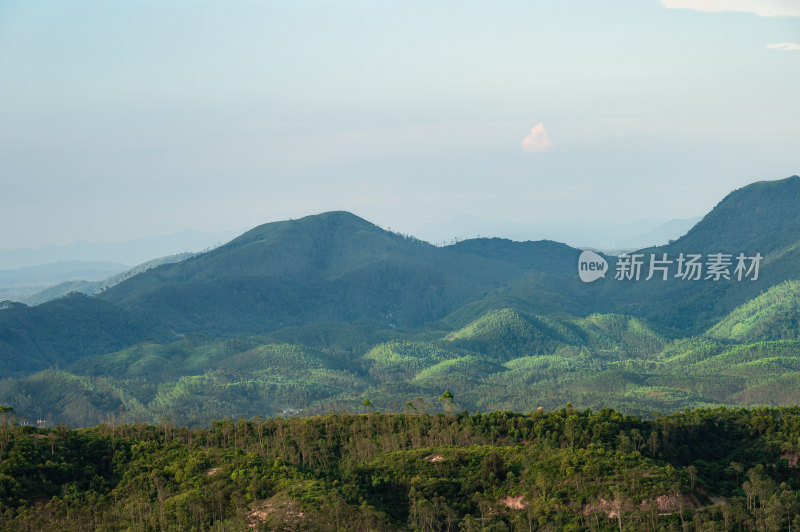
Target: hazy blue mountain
x=663, y=234
x=18, y=284
x=129, y=252
x=93, y=287
x=88, y=288
x=91, y=271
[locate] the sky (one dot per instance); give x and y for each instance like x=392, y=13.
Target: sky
x=125, y=119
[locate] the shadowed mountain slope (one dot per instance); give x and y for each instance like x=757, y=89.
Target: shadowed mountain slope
x=329, y=267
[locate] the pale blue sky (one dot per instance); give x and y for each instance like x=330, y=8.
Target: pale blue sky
x=125, y=119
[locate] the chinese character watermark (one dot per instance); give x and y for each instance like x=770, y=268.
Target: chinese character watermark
x=689, y=267
x=684, y=267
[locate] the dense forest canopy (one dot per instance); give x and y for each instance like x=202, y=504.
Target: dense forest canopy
x=568, y=469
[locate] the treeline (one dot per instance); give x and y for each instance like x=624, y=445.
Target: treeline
x=569, y=469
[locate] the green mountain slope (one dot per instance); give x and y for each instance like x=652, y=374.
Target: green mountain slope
x=543, y=256
x=58, y=332
x=759, y=218
x=507, y=333
x=762, y=218
x=604, y=332
x=401, y=360
x=774, y=315
x=600, y=361
x=329, y=267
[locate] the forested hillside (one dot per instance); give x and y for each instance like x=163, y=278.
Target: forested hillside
x=563, y=470
x=506, y=359
x=330, y=267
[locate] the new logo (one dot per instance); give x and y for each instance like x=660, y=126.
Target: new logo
x=591, y=266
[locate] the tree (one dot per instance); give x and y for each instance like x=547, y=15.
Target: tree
x=493, y=468
x=738, y=469
x=367, y=404
x=652, y=442
x=447, y=400
x=692, y=470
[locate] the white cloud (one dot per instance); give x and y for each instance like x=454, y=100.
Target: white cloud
x=537, y=140
x=784, y=46
x=764, y=8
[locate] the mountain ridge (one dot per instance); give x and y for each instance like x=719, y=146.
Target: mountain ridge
x=338, y=267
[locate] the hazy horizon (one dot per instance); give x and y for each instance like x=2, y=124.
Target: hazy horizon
x=460, y=227
x=130, y=119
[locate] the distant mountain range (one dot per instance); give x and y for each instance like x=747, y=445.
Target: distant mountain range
x=91, y=287
x=31, y=275
x=21, y=283
x=126, y=253
x=580, y=233
x=54, y=271
x=330, y=305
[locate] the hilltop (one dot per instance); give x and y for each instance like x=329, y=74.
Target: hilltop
x=329, y=267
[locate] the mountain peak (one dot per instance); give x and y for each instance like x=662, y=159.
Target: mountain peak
x=760, y=217
x=326, y=222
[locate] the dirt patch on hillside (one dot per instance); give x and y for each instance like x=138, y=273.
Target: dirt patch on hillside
x=610, y=508
x=669, y=503
x=664, y=504
x=434, y=458
x=514, y=503
x=276, y=510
